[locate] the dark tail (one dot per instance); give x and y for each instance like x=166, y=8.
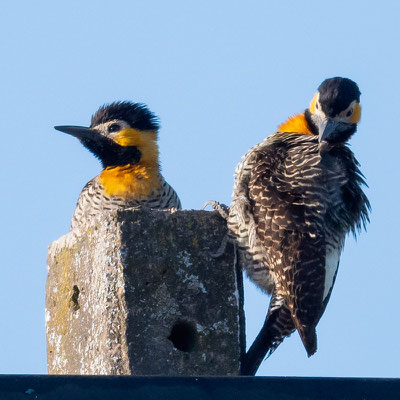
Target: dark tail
x=309, y=338
x=278, y=324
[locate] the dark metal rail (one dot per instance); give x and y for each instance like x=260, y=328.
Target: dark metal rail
x=57, y=387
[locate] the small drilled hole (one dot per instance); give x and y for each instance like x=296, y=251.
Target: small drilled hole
x=74, y=298
x=183, y=336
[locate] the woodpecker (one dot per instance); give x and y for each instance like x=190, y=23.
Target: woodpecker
x=123, y=136
x=296, y=195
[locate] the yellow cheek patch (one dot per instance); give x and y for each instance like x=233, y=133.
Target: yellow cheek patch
x=128, y=137
x=130, y=181
x=312, y=104
x=145, y=141
x=296, y=124
x=355, y=118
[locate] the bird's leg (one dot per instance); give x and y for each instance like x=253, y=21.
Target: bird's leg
x=223, y=211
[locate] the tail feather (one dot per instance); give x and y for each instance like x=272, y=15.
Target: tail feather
x=278, y=325
x=309, y=338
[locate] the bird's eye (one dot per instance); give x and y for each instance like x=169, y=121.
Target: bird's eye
x=114, y=128
x=317, y=106
x=349, y=113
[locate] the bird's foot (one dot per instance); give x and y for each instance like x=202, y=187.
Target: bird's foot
x=222, y=209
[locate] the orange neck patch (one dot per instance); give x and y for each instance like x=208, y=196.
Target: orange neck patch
x=134, y=181
x=130, y=181
x=296, y=124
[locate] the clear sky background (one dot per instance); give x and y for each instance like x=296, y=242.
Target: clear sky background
x=221, y=75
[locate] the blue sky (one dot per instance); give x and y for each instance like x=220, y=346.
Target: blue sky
x=221, y=76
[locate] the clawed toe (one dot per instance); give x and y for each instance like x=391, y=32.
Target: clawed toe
x=222, y=209
x=221, y=249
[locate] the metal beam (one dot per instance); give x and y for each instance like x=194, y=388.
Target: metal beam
x=49, y=387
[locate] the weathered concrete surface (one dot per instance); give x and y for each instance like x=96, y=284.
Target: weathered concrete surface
x=138, y=293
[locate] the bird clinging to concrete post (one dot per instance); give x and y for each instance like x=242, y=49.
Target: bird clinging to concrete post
x=123, y=135
x=296, y=195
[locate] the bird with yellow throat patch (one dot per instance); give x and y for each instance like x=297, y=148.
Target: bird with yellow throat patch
x=123, y=136
x=296, y=195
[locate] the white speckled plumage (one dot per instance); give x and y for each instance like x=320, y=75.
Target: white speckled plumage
x=296, y=195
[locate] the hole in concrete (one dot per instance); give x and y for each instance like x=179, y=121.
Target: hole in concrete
x=183, y=336
x=74, y=298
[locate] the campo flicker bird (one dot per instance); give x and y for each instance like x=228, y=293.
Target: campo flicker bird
x=123, y=136
x=296, y=195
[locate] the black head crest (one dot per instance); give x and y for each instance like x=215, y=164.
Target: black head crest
x=336, y=94
x=137, y=115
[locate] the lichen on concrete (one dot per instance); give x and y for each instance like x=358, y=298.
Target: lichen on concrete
x=138, y=292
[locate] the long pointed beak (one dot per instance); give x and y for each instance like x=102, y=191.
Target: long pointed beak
x=80, y=132
x=109, y=152
x=326, y=128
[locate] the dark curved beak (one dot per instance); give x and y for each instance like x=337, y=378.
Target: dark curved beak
x=326, y=128
x=80, y=132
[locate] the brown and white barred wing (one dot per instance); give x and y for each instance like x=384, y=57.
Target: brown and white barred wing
x=292, y=197
x=304, y=202
x=242, y=227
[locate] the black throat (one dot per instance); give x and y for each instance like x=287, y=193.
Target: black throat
x=310, y=122
x=111, y=154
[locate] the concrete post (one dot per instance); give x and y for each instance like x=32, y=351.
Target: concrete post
x=137, y=293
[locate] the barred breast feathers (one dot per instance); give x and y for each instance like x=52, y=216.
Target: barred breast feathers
x=305, y=193
x=94, y=199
